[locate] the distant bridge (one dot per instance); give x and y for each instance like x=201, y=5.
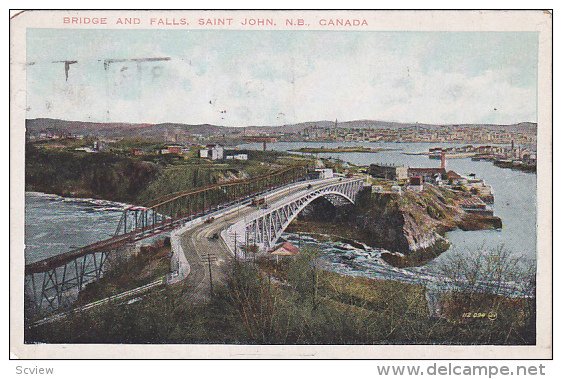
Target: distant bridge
x=53, y=282
x=264, y=227
x=263, y=139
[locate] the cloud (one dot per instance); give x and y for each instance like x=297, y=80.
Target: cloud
x=275, y=79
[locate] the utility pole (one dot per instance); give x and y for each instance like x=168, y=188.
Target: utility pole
x=207, y=259
x=254, y=251
x=315, y=285
x=210, y=274
x=235, y=247
x=247, y=244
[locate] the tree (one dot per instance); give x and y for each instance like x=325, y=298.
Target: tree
x=490, y=293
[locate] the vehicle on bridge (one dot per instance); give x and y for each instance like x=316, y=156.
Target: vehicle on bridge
x=262, y=229
x=55, y=282
x=259, y=202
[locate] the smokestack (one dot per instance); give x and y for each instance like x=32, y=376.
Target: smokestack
x=443, y=160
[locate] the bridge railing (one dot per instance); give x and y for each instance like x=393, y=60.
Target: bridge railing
x=198, y=202
x=262, y=229
x=49, y=282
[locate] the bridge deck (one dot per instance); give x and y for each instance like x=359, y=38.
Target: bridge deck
x=260, y=184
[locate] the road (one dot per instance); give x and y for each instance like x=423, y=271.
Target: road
x=197, y=244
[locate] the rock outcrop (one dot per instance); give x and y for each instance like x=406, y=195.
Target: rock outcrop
x=410, y=225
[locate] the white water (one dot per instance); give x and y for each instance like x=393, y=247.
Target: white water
x=55, y=224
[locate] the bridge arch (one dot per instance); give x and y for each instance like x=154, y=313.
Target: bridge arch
x=264, y=229
x=278, y=232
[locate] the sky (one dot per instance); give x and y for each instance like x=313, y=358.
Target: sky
x=242, y=78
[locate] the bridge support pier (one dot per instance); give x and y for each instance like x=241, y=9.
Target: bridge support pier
x=58, y=287
x=55, y=282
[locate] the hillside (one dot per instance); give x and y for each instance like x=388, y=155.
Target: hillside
x=111, y=129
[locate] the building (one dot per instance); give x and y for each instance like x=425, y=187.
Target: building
x=212, y=151
x=174, y=149
x=388, y=172
x=216, y=152
x=86, y=149
x=238, y=157
x=416, y=184
x=322, y=173
x=435, y=152
x=476, y=205
x=99, y=145
x=530, y=158
x=456, y=179
x=284, y=249
x=428, y=174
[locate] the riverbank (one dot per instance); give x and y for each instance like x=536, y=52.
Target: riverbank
x=138, y=180
x=412, y=226
x=515, y=165
x=340, y=149
x=447, y=155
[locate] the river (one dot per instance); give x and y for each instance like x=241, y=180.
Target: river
x=55, y=224
x=515, y=193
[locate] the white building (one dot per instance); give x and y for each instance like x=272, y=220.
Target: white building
x=215, y=152
x=238, y=157
x=325, y=173
x=212, y=151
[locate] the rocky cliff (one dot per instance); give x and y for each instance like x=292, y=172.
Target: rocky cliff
x=411, y=226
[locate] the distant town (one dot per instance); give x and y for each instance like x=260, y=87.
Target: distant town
x=320, y=131
x=510, y=146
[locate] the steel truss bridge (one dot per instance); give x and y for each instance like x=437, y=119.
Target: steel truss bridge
x=262, y=229
x=55, y=282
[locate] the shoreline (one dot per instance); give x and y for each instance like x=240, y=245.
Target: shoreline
x=418, y=258
x=341, y=149
x=70, y=199
x=412, y=227
x=447, y=156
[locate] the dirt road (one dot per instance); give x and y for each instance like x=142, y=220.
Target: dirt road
x=201, y=241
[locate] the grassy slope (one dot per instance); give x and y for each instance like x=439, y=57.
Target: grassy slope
x=134, y=180
x=254, y=309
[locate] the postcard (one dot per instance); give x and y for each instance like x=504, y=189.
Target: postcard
x=281, y=184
